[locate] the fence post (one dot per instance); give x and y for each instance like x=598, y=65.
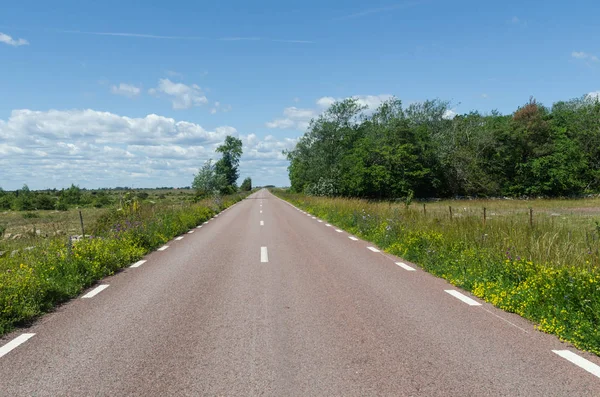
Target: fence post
x=81, y=220
x=450, y=209
x=531, y=217
x=484, y=216
x=424, y=209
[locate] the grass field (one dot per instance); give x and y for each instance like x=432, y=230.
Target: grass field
x=547, y=271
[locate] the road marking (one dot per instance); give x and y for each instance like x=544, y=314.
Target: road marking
x=339, y=231
x=373, y=249
x=14, y=343
x=352, y=238
x=262, y=223
x=217, y=215
x=406, y=267
x=261, y=211
x=190, y=232
x=328, y=225
x=314, y=217
x=579, y=361
x=264, y=255
x=199, y=227
x=164, y=247
x=462, y=297
x=138, y=263
x=320, y=221
x=95, y=291
x=179, y=238
x=205, y=223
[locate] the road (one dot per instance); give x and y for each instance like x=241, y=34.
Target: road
x=265, y=300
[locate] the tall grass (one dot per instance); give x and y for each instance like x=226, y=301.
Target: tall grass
x=547, y=272
x=34, y=281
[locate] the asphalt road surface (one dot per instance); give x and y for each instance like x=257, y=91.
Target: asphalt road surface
x=266, y=300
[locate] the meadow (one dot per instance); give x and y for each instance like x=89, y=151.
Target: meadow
x=537, y=258
x=39, y=271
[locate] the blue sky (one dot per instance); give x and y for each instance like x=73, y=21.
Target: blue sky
x=139, y=93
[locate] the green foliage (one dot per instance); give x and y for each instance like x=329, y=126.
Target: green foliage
x=33, y=281
x=386, y=154
x=246, y=185
x=227, y=166
x=548, y=273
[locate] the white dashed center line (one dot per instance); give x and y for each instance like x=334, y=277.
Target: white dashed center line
x=261, y=211
x=164, y=247
x=352, y=238
x=95, y=291
x=264, y=255
x=405, y=266
x=138, y=263
x=14, y=343
x=373, y=249
x=462, y=297
x=579, y=361
x=262, y=223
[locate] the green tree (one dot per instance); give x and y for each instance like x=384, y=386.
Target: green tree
x=246, y=185
x=227, y=166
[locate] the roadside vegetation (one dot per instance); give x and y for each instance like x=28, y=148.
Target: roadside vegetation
x=382, y=174
x=547, y=273
x=53, y=259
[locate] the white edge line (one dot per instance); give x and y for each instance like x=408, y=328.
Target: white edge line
x=352, y=238
x=462, y=297
x=579, y=361
x=264, y=255
x=190, y=232
x=14, y=343
x=95, y=291
x=406, y=267
x=138, y=263
x=373, y=249
x=328, y=225
x=179, y=238
x=199, y=227
x=320, y=221
x=164, y=247
x=339, y=231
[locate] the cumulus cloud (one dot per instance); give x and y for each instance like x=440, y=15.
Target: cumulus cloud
x=299, y=119
x=182, y=96
x=55, y=148
x=127, y=90
x=218, y=107
x=6, y=39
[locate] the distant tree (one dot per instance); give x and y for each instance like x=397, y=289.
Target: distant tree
x=246, y=185
x=207, y=181
x=24, y=199
x=227, y=166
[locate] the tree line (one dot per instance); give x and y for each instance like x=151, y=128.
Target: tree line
x=419, y=151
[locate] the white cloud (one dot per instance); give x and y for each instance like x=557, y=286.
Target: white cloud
x=449, y=114
x=594, y=95
x=299, y=119
x=6, y=39
x=585, y=56
x=218, y=107
x=127, y=90
x=181, y=95
x=55, y=148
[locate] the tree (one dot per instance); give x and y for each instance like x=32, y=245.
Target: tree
x=207, y=181
x=227, y=166
x=246, y=186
